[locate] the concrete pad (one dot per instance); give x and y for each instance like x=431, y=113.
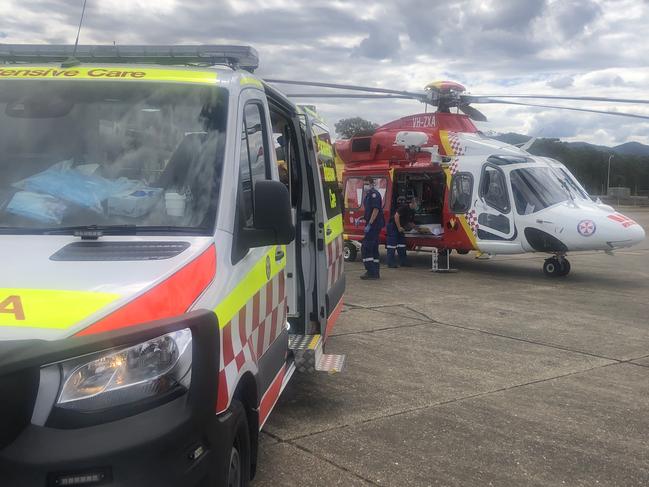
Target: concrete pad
x=286, y=465
x=642, y=361
x=355, y=320
x=571, y=320
x=585, y=429
x=399, y=369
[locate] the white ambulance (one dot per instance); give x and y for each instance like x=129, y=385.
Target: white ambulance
x=170, y=253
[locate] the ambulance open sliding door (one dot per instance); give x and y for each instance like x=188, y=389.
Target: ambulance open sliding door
x=331, y=248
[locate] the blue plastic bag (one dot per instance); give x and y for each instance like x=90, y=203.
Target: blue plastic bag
x=76, y=187
x=40, y=207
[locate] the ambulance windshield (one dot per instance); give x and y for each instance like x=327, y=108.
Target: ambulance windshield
x=112, y=154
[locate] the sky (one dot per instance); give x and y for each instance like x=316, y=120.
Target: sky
x=566, y=47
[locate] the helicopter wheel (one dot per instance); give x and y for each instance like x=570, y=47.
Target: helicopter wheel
x=565, y=268
x=349, y=252
x=555, y=267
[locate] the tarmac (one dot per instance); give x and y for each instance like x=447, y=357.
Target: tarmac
x=494, y=375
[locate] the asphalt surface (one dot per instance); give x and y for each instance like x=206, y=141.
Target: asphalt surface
x=496, y=375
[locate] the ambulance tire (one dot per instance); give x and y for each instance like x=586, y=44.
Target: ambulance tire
x=349, y=252
x=237, y=461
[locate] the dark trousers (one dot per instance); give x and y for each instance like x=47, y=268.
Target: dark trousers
x=370, y=252
x=396, y=242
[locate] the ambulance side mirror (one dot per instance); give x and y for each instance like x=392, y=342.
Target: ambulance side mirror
x=273, y=221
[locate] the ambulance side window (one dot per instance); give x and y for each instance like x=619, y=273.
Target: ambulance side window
x=253, y=161
x=461, y=192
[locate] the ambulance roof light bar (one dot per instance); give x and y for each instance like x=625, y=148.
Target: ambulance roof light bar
x=244, y=57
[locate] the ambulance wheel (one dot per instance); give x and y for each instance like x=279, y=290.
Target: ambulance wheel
x=462, y=251
x=237, y=461
x=552, y=267
x=349, y=252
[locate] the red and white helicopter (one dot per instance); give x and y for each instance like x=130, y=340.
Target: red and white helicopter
x=477, y=193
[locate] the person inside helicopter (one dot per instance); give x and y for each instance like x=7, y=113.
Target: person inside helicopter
x=428, y=190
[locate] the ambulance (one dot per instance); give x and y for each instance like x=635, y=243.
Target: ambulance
x=161, y=279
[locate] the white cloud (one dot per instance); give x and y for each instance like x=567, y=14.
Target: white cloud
x=576, y=47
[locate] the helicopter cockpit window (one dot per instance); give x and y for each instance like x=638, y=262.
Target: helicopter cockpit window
x=536, y=188
x=574, y=185
x=493, y=189
x=461, y=192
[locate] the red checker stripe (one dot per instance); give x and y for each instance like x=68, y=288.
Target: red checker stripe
x=172, y=297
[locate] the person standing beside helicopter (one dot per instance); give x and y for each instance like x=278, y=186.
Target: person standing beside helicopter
x=401, y=221
x=374, y=221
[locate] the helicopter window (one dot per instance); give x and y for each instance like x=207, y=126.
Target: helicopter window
x=354, y=191
x=493, y=189
x=574, y=185
x=461, y=192
x=361, y=144
x=536, y=188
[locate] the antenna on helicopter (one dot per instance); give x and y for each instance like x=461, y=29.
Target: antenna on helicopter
x=72, y=60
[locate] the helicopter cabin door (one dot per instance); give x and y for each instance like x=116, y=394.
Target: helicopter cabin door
x=496, y=229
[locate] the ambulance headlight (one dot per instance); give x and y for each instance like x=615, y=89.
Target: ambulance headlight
x=117, y=377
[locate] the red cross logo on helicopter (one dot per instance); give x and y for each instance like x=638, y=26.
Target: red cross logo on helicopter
x=586, y=228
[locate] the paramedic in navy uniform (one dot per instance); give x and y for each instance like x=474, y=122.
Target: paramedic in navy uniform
x=374, y=222
x=401, y=221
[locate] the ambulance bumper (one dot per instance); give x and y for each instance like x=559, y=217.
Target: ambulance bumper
x=178, y=443
x=165, y=446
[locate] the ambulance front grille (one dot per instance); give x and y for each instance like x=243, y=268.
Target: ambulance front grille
x=119, y=251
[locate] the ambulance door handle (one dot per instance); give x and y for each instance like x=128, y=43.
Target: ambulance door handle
x=279, y=255
x=328, y=231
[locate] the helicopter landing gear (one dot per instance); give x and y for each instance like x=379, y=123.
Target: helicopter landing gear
x=557, y=266
x=349, y=252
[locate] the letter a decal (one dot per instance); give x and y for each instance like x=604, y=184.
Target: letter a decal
x=14, y=306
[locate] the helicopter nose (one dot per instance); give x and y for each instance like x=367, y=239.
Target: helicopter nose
x=636, y=234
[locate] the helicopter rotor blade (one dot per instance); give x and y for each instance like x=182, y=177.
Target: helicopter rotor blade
x=473, y=113
x=348, y=95
x=481, y=98
x=604, y=112
x=369, y=89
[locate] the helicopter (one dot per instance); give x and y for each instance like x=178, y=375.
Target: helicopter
x=476, y=193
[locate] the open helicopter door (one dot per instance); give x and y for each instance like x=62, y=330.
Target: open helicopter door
x=496, y=228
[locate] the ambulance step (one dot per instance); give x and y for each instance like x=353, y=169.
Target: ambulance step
x=308, y=355
x=331, y=363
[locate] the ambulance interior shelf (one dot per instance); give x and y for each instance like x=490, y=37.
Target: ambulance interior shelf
x=428, y=188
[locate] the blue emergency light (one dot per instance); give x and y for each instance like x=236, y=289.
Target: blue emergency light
x=244, y=57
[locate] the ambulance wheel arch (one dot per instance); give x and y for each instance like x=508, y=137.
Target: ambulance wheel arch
x=247, y=396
